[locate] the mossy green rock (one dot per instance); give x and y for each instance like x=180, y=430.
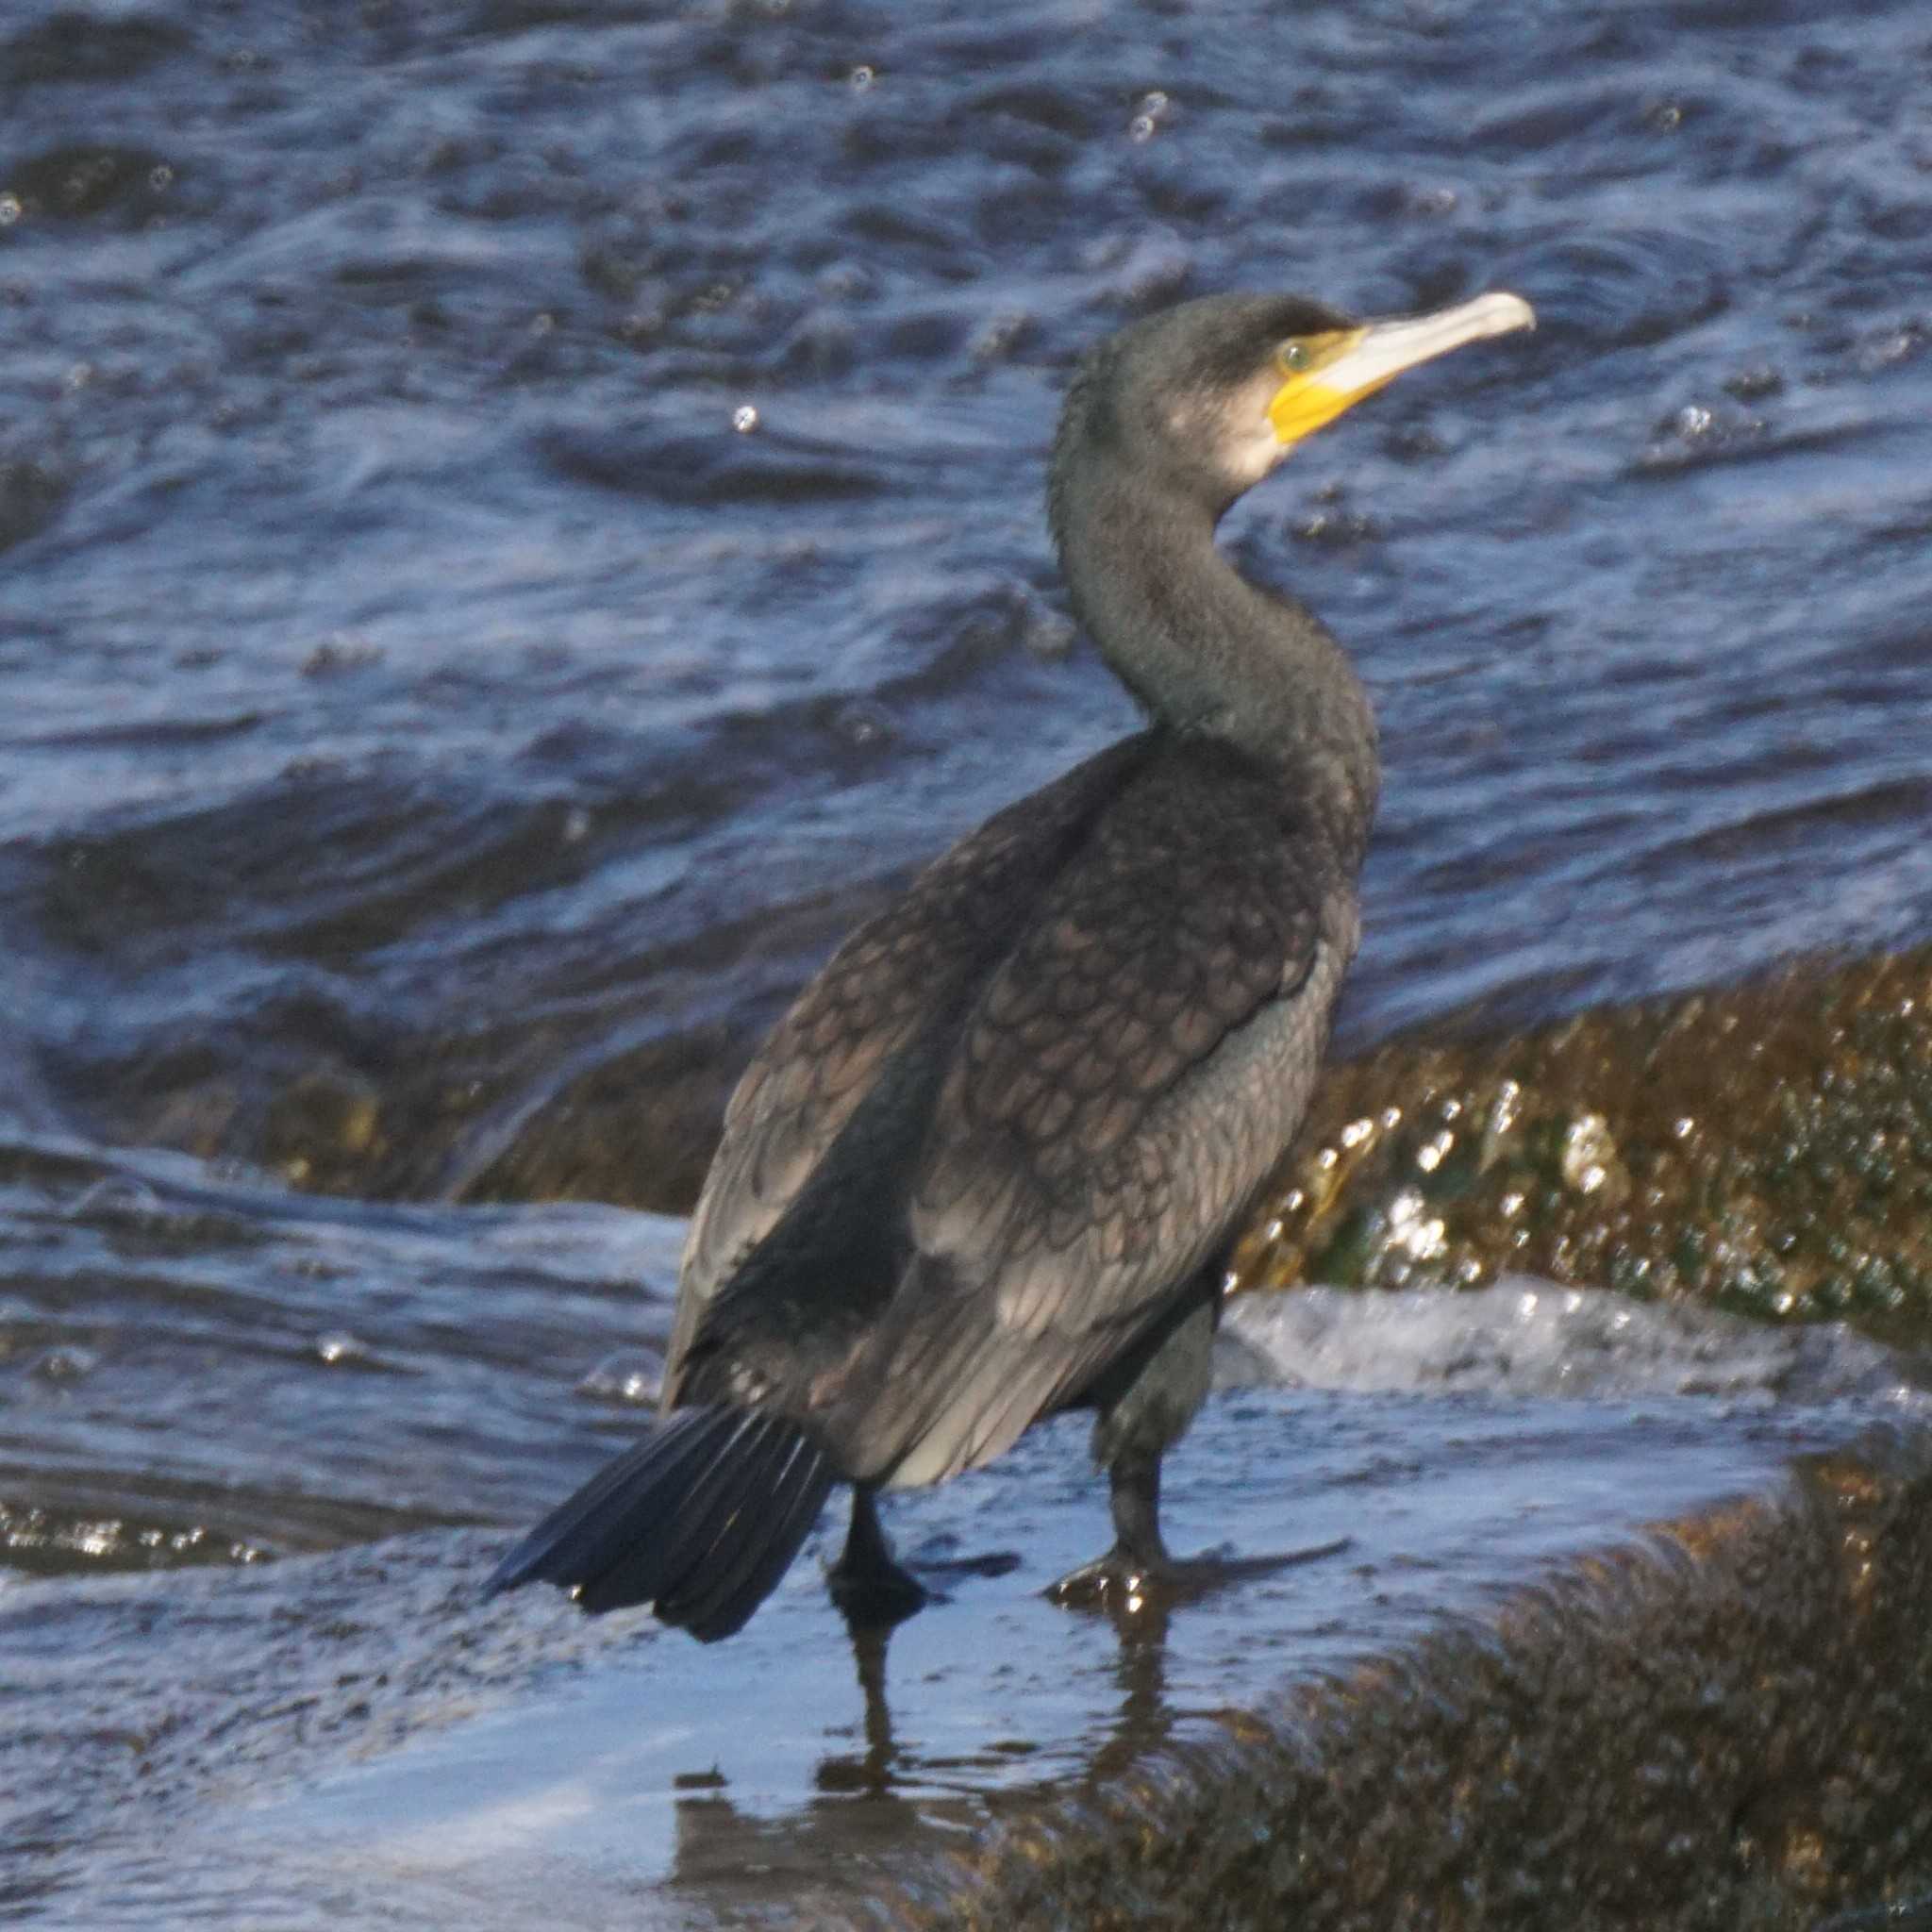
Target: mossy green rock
x=1767, y=1149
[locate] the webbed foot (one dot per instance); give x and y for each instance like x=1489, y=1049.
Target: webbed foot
x=1127, y=1581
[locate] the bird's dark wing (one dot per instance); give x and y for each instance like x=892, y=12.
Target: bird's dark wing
x=1123, y=1085
x=903, y=972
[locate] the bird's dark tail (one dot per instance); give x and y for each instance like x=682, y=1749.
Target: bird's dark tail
x=701, y=1518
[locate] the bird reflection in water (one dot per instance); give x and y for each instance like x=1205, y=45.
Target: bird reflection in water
x=884, y=1796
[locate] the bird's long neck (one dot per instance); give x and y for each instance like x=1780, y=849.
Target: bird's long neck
x=1204, y=650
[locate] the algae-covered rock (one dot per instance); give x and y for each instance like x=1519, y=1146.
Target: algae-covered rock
x=1768, y=1149
x=1718, y=1727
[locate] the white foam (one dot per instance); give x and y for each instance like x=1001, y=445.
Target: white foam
x=1528, y=1337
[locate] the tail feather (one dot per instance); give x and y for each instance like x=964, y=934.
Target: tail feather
x=617, y=1507
x=722, y=1595
x=707, y=1509
x=702, y=1519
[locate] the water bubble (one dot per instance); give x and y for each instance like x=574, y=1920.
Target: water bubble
x=625, y=1376
x=1429, y=1155
x=160, y=176
x=95, y=1539
x=64, y=1364
x=339, y=1346
x=1149, y=113
x=10, y=210
x=1503, y=1114
x=1896, y=345
x=862, y=78
x=1336, y=528
x=861, y=724
x=1421, y=1235
x=1590, y=1159
x=745, y=419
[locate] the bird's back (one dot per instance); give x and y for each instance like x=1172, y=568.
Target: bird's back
x=1017, y=1112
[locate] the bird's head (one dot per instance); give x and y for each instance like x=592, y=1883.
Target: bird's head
x=1211, y=395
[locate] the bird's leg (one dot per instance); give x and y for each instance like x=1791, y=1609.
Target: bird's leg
x=1138, y=1561
x=1137, y=1579
x=1137, y=1514
x=871, y=1588
x=1147, y=1407
x=1141, y=1416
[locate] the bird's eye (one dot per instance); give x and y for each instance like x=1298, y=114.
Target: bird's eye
x=1295, y=357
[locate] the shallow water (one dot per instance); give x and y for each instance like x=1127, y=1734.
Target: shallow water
x=219, y=1371
x=357, y=1738
x=425, y=708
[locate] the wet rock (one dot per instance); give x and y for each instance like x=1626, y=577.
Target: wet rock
x=637, y=1128
x=1727, y=1725
x=324, y=1128
x=1767, y=1148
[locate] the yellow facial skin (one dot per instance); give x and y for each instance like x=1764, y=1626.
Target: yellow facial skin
x=1305, y=403
x=1325, y=374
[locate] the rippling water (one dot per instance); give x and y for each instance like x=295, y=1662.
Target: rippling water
x=437, y=737
x=415, y=686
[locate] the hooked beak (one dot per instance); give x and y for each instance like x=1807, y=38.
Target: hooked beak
x=1350, y=364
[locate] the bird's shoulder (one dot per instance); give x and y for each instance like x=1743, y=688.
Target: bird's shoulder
x=1195, y=902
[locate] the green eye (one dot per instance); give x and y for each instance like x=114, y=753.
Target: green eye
x=1295, y=357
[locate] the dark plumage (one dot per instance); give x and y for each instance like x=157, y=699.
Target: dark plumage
x=989, y=1165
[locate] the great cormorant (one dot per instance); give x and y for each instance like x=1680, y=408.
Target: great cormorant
x=989, y=1164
